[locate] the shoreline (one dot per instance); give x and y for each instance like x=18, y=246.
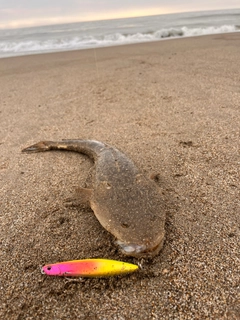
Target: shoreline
x=173, y=108
x=125, y=44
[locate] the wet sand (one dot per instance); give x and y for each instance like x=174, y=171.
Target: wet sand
x=173, y=108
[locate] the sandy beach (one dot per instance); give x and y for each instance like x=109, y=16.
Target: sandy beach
x=173, y=108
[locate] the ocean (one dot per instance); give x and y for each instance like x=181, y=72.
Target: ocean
x=83, y=35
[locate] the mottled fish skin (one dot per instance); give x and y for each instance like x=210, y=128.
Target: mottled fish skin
x=126, y=203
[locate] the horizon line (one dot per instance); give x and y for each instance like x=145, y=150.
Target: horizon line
x=105, y=19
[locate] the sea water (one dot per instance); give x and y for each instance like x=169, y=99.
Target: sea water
x=83, y=35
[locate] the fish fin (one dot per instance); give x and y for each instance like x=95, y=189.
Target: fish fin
x=81, y=199
x=38, y=147
x=84, y=194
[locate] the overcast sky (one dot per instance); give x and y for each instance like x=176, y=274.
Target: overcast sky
x=17, y=13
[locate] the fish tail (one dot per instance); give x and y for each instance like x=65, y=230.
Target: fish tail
x=39, y=147
x=91, y=148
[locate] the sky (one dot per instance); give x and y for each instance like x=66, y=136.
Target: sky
x=25, y=13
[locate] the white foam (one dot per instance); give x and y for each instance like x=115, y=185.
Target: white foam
x=8, y=48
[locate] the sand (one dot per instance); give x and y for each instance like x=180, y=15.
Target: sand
x=173, y=108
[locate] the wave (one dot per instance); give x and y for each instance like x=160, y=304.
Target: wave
x=8, y=48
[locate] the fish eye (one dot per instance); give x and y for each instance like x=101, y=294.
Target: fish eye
x=49, y=268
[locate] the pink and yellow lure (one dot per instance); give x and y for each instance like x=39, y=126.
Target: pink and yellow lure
x=89, y=268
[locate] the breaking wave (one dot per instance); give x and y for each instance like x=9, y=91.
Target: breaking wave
x=8, y=48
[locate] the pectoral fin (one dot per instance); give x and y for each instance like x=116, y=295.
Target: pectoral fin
x=84, y=194
x=81, y=199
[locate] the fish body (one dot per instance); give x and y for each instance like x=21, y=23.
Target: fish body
x=89, y=268
x=126, y=203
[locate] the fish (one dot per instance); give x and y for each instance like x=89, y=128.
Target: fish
x=125, y=202
x=89, y=268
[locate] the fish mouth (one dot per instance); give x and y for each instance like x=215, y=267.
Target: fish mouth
x=130, y=248
x=139, y=251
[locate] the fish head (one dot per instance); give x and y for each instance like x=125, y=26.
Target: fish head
x=51, y=270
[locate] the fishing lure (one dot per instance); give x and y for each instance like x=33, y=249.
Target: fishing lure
x=89, y=268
